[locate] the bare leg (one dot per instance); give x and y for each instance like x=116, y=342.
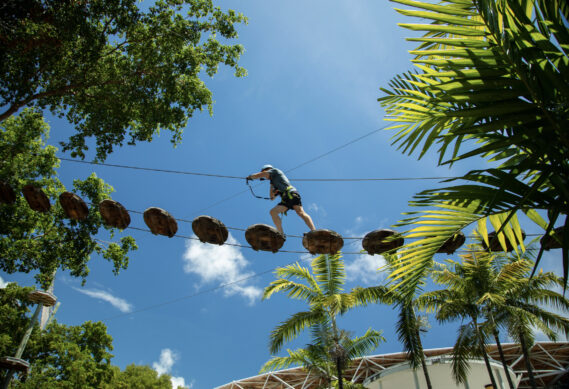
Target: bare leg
x=276, y=219
x=304, y=216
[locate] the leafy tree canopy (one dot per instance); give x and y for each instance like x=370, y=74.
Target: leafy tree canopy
x=14, y=307
x=60, y=356
x=44, y=242
x=116, y=72
x=66, y=357
x=139, y=376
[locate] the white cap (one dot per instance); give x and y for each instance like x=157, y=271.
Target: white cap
x=266, y=167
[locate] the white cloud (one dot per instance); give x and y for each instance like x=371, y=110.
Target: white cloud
x=121, y=304
x=3, y=283
x=179, y=381
x=164, y=366
x=313, y=207
x=360, y=227
x=167, y=359
x=364, y=269
x=221, y=264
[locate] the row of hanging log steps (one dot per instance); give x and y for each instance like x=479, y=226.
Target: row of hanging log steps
x=113, y=213
x=11, y=363
x=42, y=297
x=259, y=236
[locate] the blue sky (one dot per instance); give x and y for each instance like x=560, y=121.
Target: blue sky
x=315, y=68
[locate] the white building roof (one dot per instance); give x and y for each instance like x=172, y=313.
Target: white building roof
x=550, y=361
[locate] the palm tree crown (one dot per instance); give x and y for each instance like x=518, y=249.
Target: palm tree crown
x=322, y=288
x=492, y=291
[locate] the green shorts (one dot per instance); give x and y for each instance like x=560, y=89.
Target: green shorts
x=291, y=201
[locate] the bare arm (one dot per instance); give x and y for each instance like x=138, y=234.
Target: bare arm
x=255, y=176
x=273, y=192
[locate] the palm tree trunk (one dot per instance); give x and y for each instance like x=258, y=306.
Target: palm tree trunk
x=527, y=360
x=337, y=357
x=339, y=374
x=484, y=354
x=503, y=359
x=424, y=362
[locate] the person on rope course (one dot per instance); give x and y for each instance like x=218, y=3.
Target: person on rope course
x=290, y=198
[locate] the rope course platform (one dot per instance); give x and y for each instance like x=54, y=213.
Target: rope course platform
x=44, y=298
x=17, y=364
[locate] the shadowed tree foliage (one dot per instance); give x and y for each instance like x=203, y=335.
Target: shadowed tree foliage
x=115, y=71
x=47, y=241
x=491, y=81
x=60, y=356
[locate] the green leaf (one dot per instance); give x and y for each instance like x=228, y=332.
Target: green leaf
x=466, y=31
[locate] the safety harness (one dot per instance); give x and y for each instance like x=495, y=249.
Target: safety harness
x=287, y=192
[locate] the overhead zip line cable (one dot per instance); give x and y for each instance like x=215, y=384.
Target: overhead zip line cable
x=150, y=169
x=242, y=178
x=286, y=171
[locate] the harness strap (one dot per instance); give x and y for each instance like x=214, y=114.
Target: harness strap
x=288, y=192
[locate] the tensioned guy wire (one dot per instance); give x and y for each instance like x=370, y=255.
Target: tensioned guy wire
x=296, y=167
x=213, y=289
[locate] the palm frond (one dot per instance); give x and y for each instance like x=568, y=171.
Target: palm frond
x=363, y=345
x=329, y=272
x=292, y=327
x=408, y=334
x=297, y=357
x=294, y=289
x=461, y=353
x=492, y=78
x=372, y=295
